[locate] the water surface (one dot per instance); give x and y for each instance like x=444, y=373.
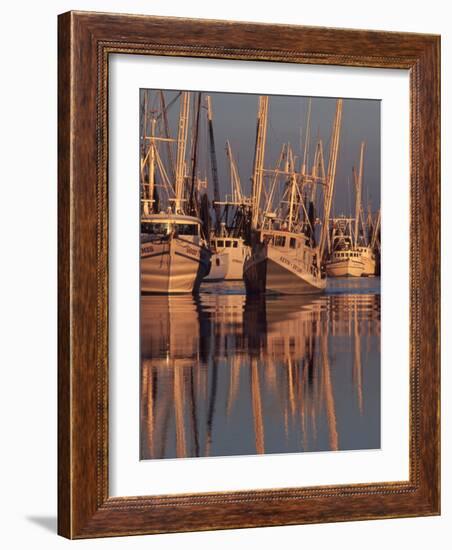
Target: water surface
x=225, y=374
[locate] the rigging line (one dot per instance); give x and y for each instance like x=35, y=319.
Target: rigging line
x=196, y=114
x=170, y=104
x=169, y=147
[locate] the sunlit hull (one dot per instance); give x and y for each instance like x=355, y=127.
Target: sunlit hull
x=272, y=271
x=218, y=268
x=349, y=267
x=235, y=268
x=369, y=265
x=173, y=266
x=234, y=257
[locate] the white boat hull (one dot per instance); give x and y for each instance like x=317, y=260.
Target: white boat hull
x=349, y=267
x=274, y=271
x=235, y=268
x=173, y=265
x=236, y=251
x=369, y=265
x=219, y=267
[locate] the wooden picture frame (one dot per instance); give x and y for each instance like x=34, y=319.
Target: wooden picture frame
x=85, y=42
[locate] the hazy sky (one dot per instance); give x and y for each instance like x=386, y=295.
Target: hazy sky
x=234, y=118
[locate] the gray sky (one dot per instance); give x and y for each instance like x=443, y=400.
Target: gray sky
x=234, y=118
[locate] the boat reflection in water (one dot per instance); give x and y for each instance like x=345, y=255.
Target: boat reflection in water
x=225, y=374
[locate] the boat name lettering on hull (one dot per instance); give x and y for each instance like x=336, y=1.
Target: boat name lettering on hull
x=192, y=252
x=293, y=266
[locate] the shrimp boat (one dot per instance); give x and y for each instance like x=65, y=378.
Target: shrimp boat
x=283, y=262
x=363, y=242
x=352, y=252
x=231, y=220
x=219, y=267
x=284, y=257
x=351, y=261
x=174, y=257
x=231, y=251
x=174, y=254
x=345, y=260
x=226, y=240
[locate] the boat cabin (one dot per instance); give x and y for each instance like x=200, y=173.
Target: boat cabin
x=283, y=239
x=164, y=225
x=364, y=250
x=225, y=242
x=345, y=254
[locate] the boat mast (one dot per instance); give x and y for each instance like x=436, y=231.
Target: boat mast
x=144, y=124
x=358, y=185
x=149, y=204
x=143, y=159
x=376, y=229
x=318, y=170
x=213, y=165
x=293, y=183
x=148, y=160
x=167, y=135
x=276, y=173
x=236, y=186
x=193, y=203
x=181, y=150
x=329, y=185
x=307, y=139
x=259, y=155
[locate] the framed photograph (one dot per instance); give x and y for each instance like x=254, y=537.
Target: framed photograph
x=249, y=259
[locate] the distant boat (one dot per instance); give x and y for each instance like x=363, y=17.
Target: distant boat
x=351, y=248
x=226, y=239
x=219, y=266
x=363, y=246
x=345, y=263
x=231, y=252
x=347, y=260
x=344, y=260
x=174, y=256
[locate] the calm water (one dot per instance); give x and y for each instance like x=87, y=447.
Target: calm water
x=225, y=374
